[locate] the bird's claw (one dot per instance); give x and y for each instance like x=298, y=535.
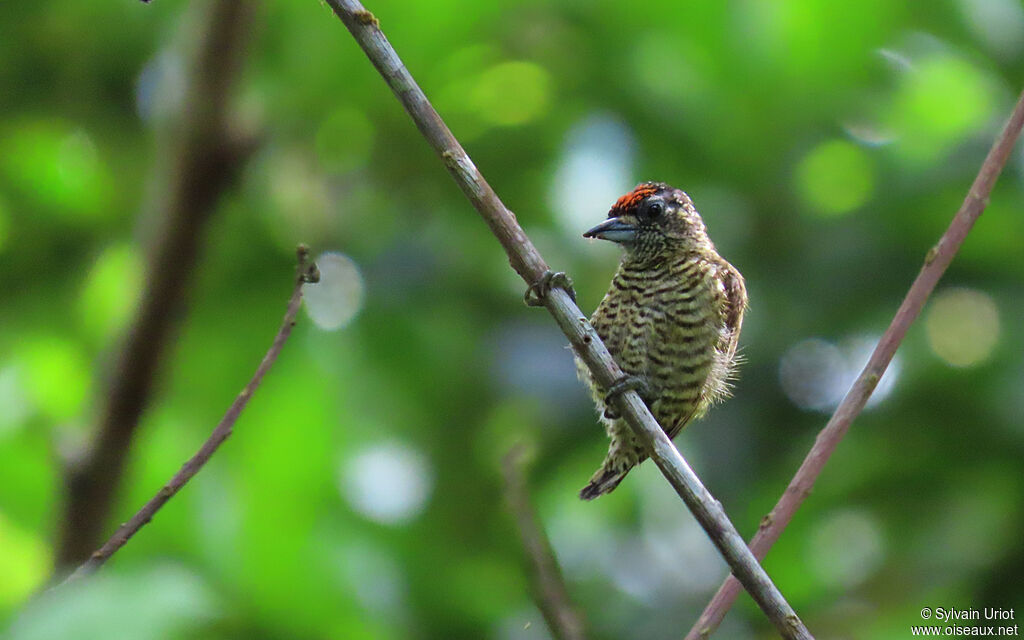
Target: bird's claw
x=621, y=386
x=537, y=292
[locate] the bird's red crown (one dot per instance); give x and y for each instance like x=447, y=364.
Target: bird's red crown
x=633, y=199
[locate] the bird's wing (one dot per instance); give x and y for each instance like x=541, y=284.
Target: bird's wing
x=673, y=429
x=735, y=305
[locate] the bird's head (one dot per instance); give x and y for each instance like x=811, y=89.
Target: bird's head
x=652, y=222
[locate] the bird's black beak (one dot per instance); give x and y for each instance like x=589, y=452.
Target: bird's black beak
x=614, y=229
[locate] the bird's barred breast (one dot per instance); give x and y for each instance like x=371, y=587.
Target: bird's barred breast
x=660, y=325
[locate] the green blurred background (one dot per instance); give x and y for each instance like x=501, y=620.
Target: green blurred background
x=827, y=145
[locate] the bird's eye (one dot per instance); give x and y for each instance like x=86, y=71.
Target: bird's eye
x=655, y=209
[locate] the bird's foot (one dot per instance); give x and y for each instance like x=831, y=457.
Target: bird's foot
x=537, y=292
x=621, y=386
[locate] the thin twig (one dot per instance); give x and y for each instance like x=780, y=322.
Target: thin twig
x=205, y=155
x=935, y=263
x=528, y=263
x=307, y=272
x=549, y=588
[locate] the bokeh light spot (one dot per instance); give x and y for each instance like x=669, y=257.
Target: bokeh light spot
x=812, y=373
x=57, y=167
x=962, y=326
x=388, y=483
x=835, y=178
x=941, y=101
x=846, y=548
x=111, y=290
x=936, y=99
x=816, y=374
x=13, y=399
x=375, y=577
x=338, y=297
x=160, y=88
x=344, y=140
x=512, y=93
x=56, y=376
x=24, y=564
x=1000, y=23
x=595, y=168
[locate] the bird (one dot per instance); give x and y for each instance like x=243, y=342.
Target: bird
x=671, y=319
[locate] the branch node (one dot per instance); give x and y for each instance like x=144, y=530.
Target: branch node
x=308, y=271
x=871, y=380
x=365, y=17
x=981, y=198
x=465, y=171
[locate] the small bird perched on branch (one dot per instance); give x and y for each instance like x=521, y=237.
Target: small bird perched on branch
x=671, y=319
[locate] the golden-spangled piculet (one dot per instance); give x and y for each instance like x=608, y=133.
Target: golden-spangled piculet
x=671, y=319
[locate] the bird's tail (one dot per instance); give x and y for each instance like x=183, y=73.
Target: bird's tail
x=604, y=481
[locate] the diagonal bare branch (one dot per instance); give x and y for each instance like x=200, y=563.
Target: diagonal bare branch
x=307, y=272
x=528, y=263
x=935, y=263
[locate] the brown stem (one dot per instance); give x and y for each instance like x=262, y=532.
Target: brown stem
x=307, y=272
x=550, y=592
x=206, y=156
x=935, y=263
x=528, y=263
